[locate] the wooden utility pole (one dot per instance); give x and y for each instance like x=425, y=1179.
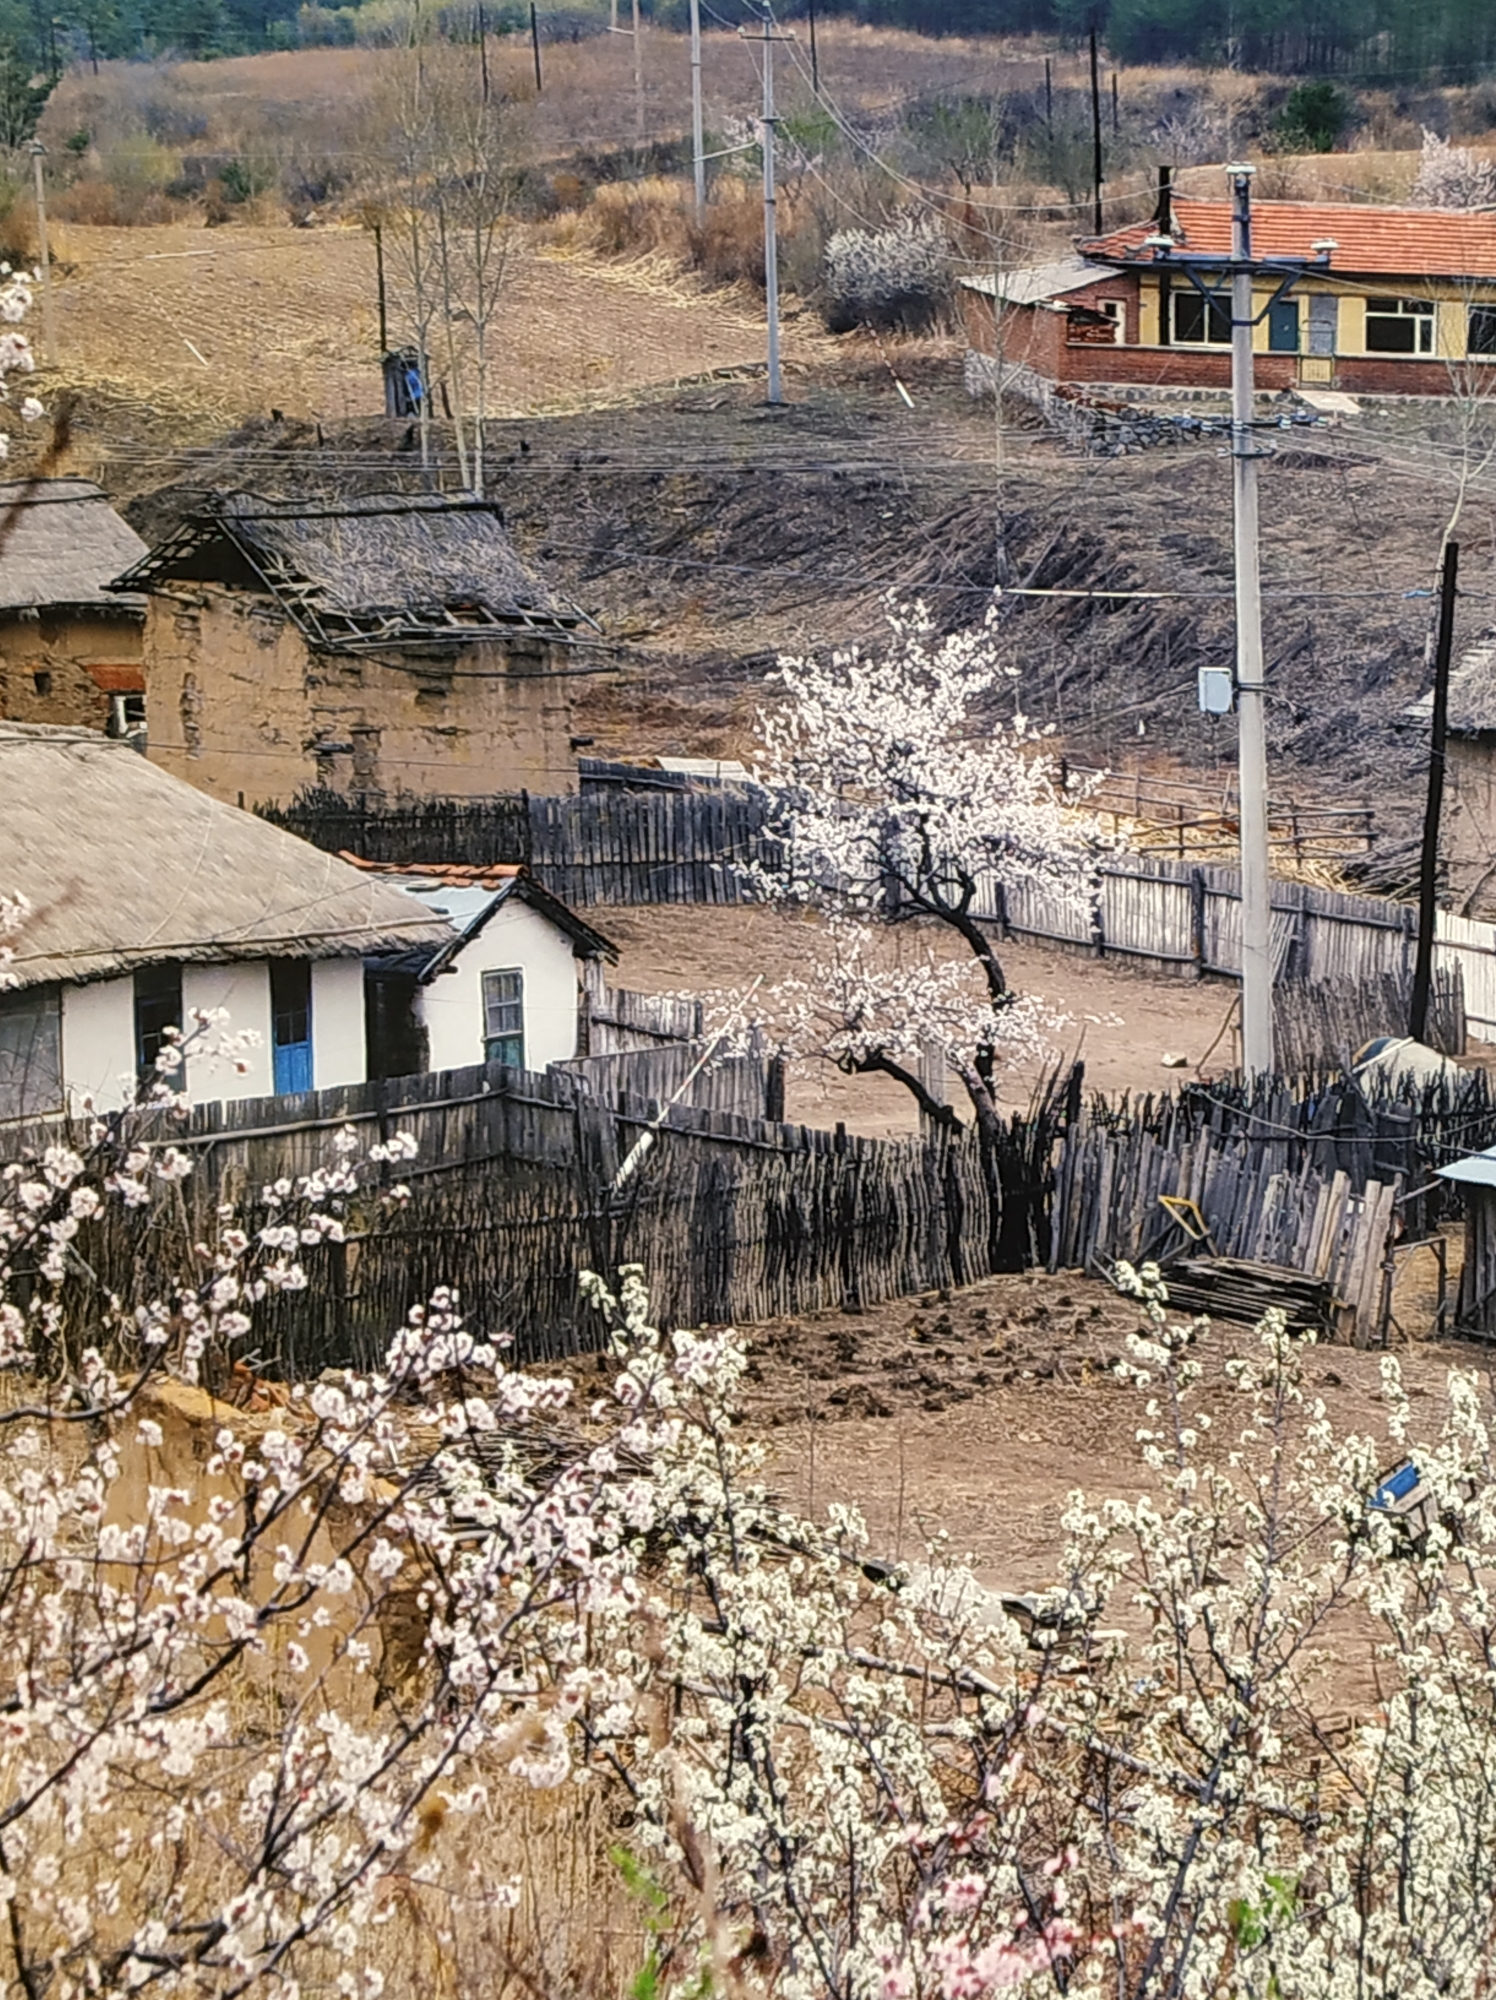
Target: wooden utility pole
x=44, y=255
x=535, y=44
x=483, y=48
x=767, y=38
x=1251, y=693
x=1428, y=866
x=1095, y=131
x=1048, y=99
x=815, y=65
x=384, y=321
x=698, y=136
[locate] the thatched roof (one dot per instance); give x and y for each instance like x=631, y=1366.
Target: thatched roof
x=61, y=543
x=125, y=865
x=382, y=570
x=1472, y=691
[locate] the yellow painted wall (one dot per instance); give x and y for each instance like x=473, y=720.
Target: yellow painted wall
x=1451, y=302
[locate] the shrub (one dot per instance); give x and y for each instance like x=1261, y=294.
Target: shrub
x=1314, y=119
x=895, y=279
x=244, y=180
x=1453, y=176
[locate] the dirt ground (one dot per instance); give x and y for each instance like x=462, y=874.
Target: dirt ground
x=1123, y=1020
x=979, y=1413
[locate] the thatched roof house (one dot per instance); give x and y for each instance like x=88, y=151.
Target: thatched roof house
x=69, y=646
x=384, y=645
x=125, y=866
x=384, y=570
x=1468, y=834
x=61, y=543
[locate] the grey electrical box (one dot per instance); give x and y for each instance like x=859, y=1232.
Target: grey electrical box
x=1217, y=690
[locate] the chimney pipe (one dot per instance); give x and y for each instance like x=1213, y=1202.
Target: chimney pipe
x=1163, y=214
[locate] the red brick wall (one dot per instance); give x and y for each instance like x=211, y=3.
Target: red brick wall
x=1385, y=375
x=1031, y=338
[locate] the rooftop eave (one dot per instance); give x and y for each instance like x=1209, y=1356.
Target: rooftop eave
x=1185, y=259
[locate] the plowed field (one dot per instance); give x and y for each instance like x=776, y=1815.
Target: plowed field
x=244, y=320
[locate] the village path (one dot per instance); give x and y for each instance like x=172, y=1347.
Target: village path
x=1122, y=1020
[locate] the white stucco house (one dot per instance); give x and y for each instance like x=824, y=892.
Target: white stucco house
x=147, y=900
x=505, y=985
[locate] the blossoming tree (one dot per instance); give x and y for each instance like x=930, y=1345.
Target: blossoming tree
x=899, y=794
x=271, y=1683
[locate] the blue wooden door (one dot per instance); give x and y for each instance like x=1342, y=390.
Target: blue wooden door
x=291, y=1024
x=293, y=1067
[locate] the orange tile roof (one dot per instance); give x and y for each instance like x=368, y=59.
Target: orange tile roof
x=128, y=678
x=471, y=875
x=1371, y=241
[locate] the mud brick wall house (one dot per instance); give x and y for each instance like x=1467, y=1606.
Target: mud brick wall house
x=70, y=649
x=1397, y=302
x=1468, y=831
x=380, y=645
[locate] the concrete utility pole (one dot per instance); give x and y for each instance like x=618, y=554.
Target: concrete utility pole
x=698, y=140
x=771, y=241
x=1251, y=695
x=1095, y=134
x=49, y=317
x=638, y=76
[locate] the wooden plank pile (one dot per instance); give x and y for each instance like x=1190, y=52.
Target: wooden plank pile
x=1235, y=1288
x=1259, y=1190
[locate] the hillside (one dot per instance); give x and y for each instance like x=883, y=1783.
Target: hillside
x=707, y=534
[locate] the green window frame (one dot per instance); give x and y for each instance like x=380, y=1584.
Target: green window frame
x=504, y=1017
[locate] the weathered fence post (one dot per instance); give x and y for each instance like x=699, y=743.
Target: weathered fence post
x=774, y=1091
x=1197, y=920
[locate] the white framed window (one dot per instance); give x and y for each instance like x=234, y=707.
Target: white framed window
x=504, y=1017
x=1399, y=326
x=1480, y=333
x=1198, y=321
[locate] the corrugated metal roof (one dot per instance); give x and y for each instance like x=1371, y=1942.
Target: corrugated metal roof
x=1038, y=282
x=487, y=875
x=1371, y=241
x=469, y=893
x=1476, y=1170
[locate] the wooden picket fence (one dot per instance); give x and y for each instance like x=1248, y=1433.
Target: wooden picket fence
x=712, y=845
x=520, y=1182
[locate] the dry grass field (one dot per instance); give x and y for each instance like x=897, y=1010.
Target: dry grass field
x=314, y=96
x=245, y=320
